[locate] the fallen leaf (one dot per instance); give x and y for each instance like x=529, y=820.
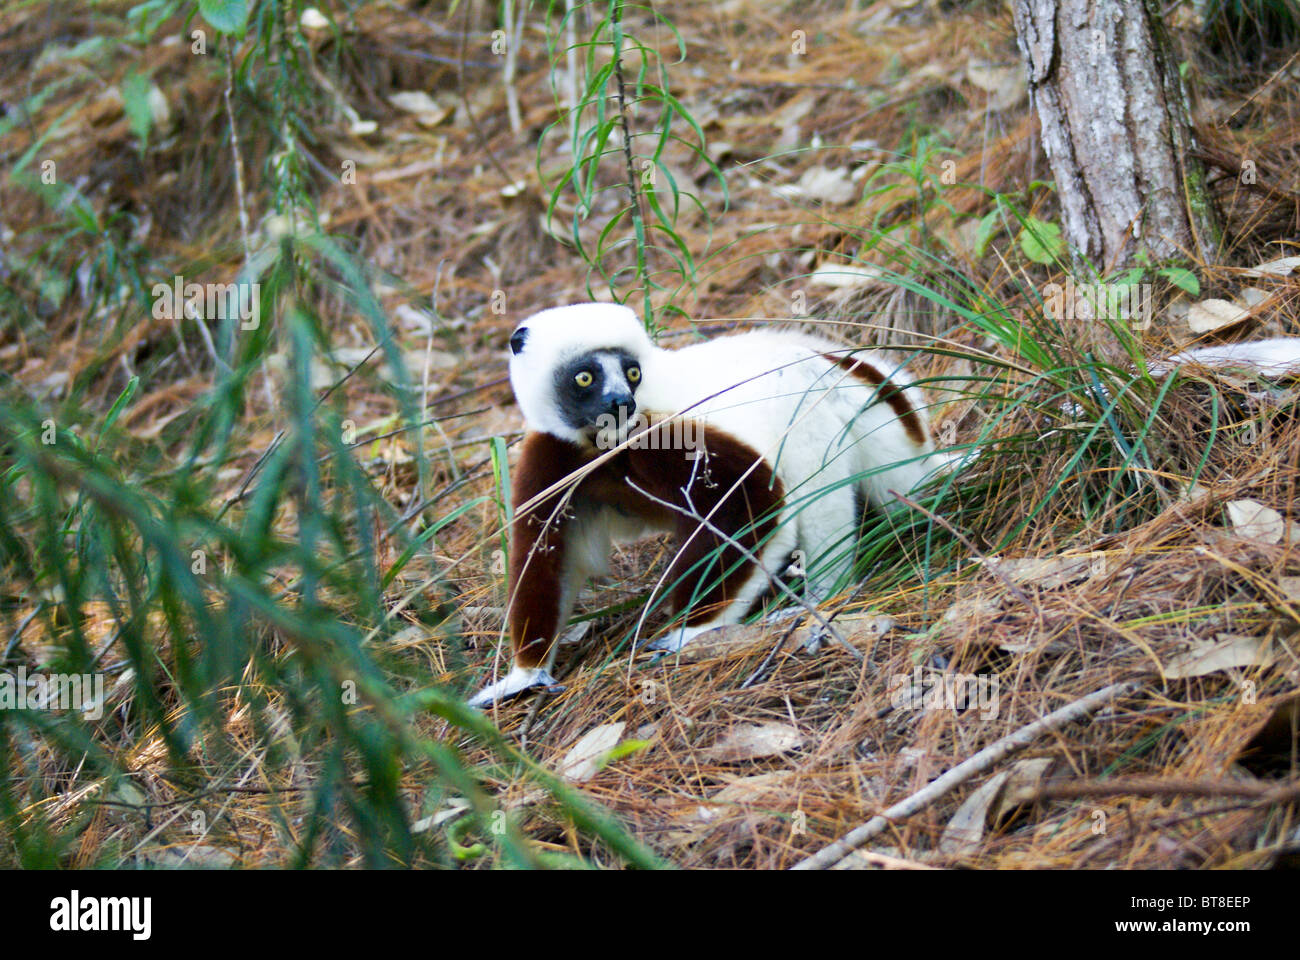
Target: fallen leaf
x=862, y=627
x=1026, y=780
x=973, y=607
x=731, y=801
x=1253, y=521
x=748, y=790
x=1177, y=311
x=456, y=808
x=581, y=762
x=1044, y=572
x=1253, y=296
x=970, y=614
x=749, y=741
x=1214, y=314
x=965, y=830
x=1275, y=268
x=1226, y=651
x=829, y=186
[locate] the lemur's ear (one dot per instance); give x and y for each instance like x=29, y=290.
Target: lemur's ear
x=518, y=339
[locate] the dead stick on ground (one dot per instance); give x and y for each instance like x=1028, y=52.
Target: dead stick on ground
x=1264, y=793
x=989, y=757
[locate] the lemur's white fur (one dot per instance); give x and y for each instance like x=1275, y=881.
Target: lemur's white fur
x=824, y=432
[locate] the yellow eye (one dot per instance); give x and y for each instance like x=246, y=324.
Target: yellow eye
x=583, y=379
x=633, y=374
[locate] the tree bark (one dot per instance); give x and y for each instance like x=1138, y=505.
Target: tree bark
x=1116, y=130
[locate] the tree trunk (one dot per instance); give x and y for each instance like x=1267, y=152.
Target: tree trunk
x=1116, y=130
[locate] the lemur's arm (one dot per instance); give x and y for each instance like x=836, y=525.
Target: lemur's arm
x=542, y=565
x=542, y=555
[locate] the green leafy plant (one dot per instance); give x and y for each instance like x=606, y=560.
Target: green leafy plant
x=255, y=617
x=623, y=89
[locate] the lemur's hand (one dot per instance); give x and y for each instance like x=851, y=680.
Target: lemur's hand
x=517, y=681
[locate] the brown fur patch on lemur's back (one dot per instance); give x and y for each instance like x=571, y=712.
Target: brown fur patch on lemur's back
x=891, y=393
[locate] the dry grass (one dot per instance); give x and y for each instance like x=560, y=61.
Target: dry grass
x=429, y=208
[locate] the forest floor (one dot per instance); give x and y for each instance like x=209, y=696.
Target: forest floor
x=855, y=145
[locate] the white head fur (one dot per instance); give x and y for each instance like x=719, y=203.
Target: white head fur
x=552, y=338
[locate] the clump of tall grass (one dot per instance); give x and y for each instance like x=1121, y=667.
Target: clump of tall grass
x=241, y=637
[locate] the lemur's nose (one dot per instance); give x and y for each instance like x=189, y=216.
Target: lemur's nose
x=614, y=402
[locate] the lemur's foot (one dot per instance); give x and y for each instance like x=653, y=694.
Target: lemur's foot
x=675, y=639
x=517, y=681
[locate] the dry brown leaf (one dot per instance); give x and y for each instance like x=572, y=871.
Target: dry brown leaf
x=1044, y=572
x=972, y=607
x=860, y=628
x=1225, y=652
x=749, y=741
x=1281, y=267
x=1214, y=314
x=749, y=790
x=1026, y=780
x=580, y=763
x=727, y=802
x=829, y=186
x=969, y=614
x=1252, y=520
x=1253, y=296
x=965, y=830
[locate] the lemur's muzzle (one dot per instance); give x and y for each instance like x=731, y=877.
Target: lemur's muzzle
x=617, y=404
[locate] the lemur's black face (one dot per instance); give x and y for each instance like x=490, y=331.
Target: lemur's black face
x=598, y=384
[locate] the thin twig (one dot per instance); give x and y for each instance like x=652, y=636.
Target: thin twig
x=464, y=99
x=634, y=195
x=236, y=158
x=571, y=86
x=514, y=28
x=761, y=672
x=987, y=758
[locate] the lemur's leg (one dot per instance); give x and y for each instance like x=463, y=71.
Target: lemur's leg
x=828, y=532
x=730, y=601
